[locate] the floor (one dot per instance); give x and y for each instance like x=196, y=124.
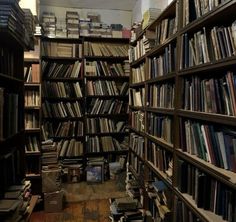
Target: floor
x=85, y=202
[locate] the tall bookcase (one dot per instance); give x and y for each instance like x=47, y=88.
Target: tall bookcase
x=32, y=103
x=106, y=76
x=182, y=115
x=63, y=96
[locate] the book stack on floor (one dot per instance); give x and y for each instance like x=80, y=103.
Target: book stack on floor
x=51, y=178
x=126, y=209
x=14, y=205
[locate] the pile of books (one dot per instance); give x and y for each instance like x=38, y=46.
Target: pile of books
x=149, y=16
x=72, y=24
x=14, y=205
x=30, y=28
x=49, y=154
x=49, y=24
x=12, y=18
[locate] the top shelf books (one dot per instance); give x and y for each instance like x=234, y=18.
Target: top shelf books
x=61, y=49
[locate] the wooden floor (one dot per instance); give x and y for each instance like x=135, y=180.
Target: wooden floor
x=84, y=203
x=84, y=211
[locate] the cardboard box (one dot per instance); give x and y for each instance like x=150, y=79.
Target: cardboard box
x=51, y=180
x=53, y=202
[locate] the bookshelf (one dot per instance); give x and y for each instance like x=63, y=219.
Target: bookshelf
x=106, y=76
x=32, y=118
x=63, y=96
x=182, y=116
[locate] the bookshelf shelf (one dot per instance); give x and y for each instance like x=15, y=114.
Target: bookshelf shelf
x=168, y=76
x=169, y=111
x=139, y=84
x=210, y=117
x=33, y=153
x=61, y=58
x=138, y=61
x=226, y=176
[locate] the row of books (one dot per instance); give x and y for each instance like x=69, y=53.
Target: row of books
x=193, y=10
x=103, y=68
x=208, y=45
x=183, y=213
x=61, y=89
x=212, y=143
x=64, y=129
x=57, y=49
x=136, y=143
x=70, y=148
x=211, y=95
x=197, y=183
x=103, y=144
x=138, y=74
x=107, y=106
x=137, y=96
x=165, y=29
x=160, y=126
x=137, y=119
x=162, y=64
x=61, y=109
x=9, y=103
x=32, y=97
x=32, y=73
x=161, y=95
x=137, y=165
x=31, y=120
x=108, y=49
x=32, y=143
x=6, y=62
x=160, y=158
x=61, y=70
x=111, y=88
x=104, y=125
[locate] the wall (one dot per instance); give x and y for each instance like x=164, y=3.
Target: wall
x=107, y=16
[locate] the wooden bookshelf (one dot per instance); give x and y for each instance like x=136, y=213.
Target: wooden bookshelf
x=197, y=70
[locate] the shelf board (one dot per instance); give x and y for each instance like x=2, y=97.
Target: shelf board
x=205, y=215
x=31, y=60
x=137, y=108
x=167, y=111
x=160, y=142
x=138, y=84
x=107, y=134
x=138, y=61
x=226, y=176
x=137, y=132
x=115, y=152
x=167, y=76
x=60, y=58
x=32, y=107
x=57, y=79
x=163, y=176
x=32, y=84
x=33, y=130
x=211, y=117
x=114, y=115
x=109, y=58
x=32, y=153
x=210, y=66
x=108, y=77
x=67, y=137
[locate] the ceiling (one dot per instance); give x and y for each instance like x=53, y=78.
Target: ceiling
x=126, y=5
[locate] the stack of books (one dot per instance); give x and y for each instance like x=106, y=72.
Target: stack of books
x=149, y=16
x=12, y=18
x=30, y=28
x=49, y=154
x=61, y=31
x=84, y=26
x=72, y=24
x=49, y=24
x=14, y=205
